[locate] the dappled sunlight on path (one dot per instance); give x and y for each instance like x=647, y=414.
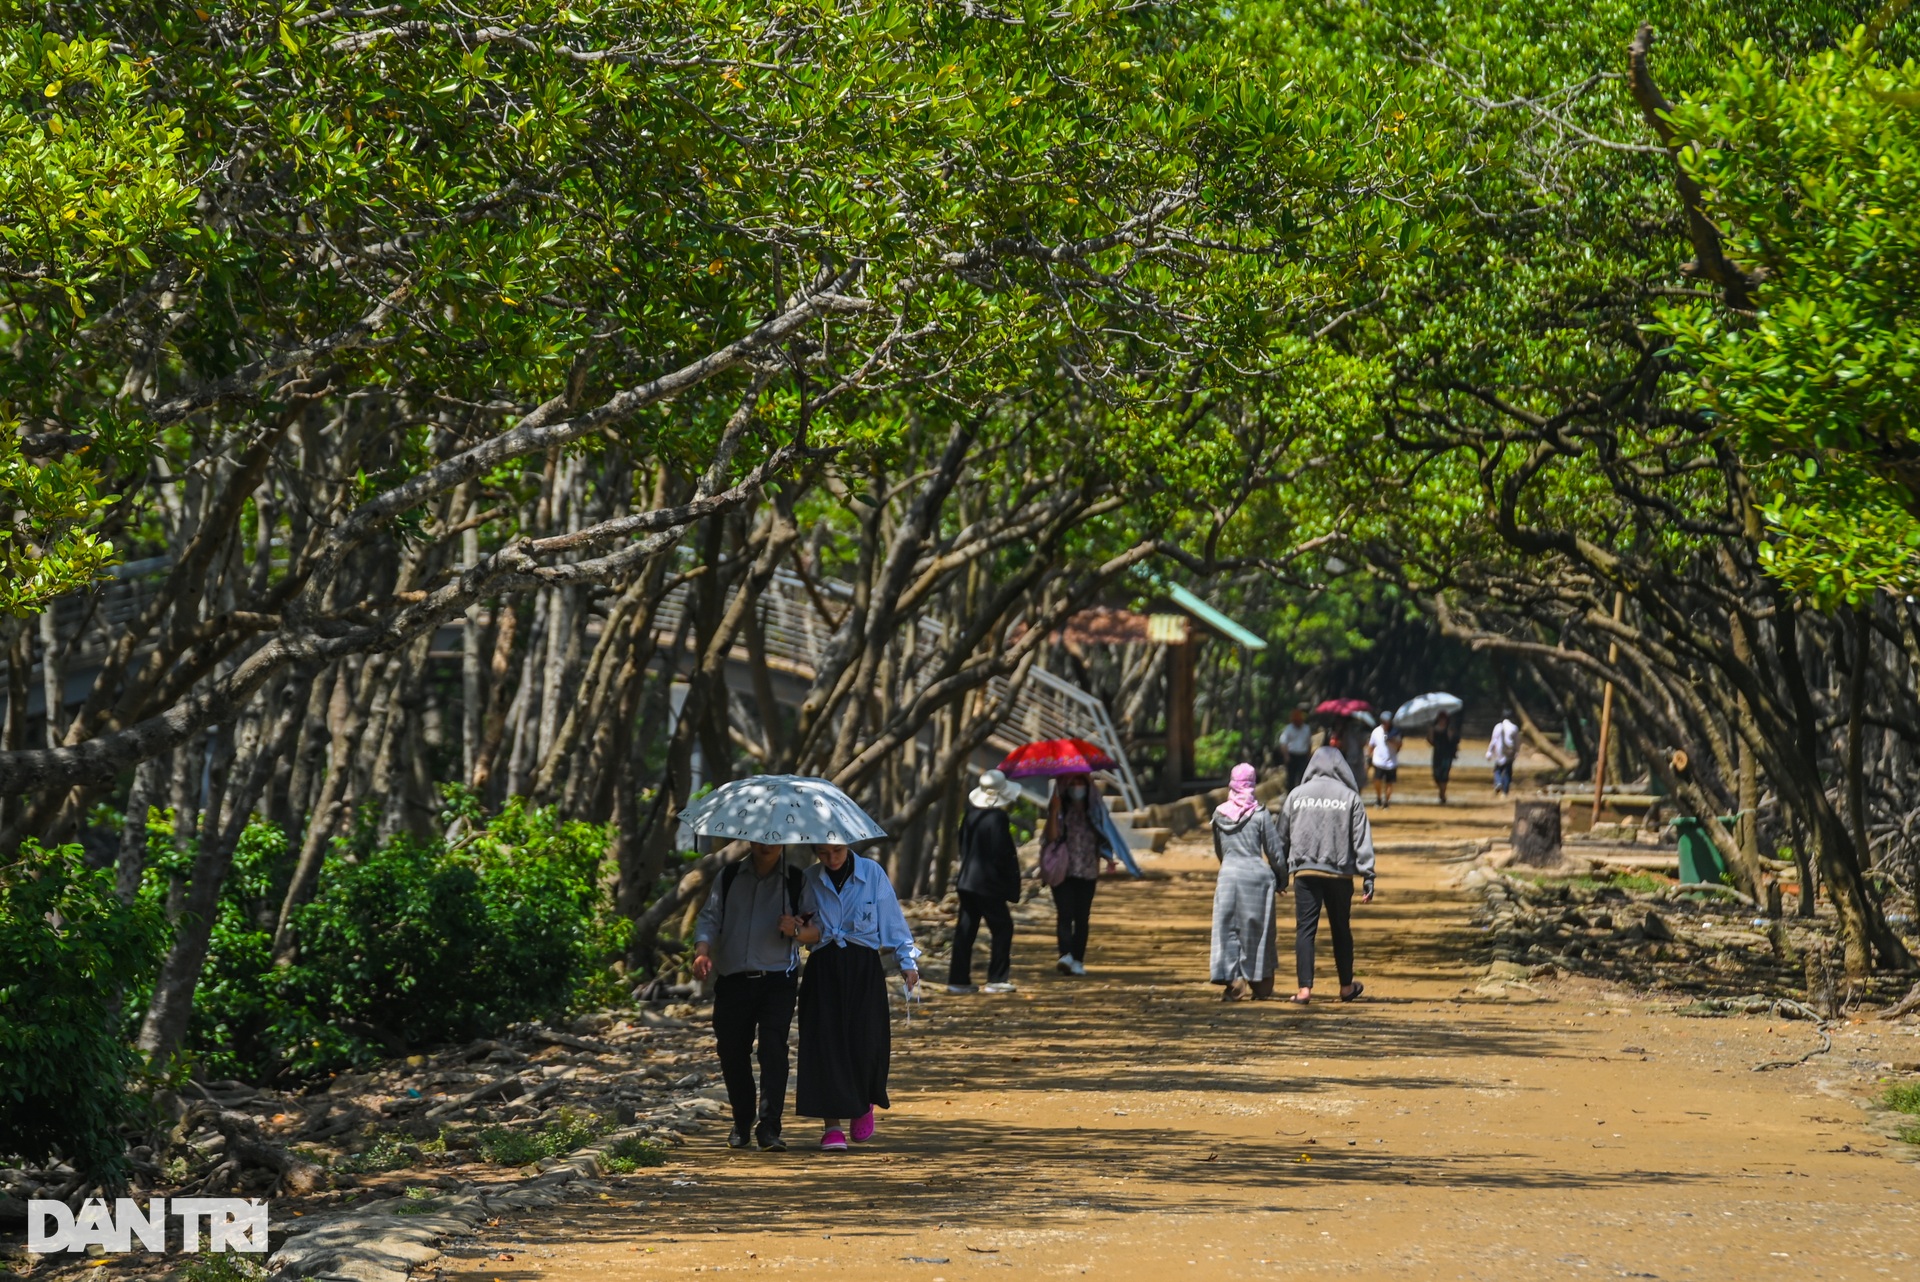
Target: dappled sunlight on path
x=1131, y=1125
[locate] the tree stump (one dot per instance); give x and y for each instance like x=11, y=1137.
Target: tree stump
x=1536, y=833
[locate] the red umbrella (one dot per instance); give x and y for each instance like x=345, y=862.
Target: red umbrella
x=1052, y=757
x=1342, y=708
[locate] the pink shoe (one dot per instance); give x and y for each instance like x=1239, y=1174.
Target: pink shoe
x=863, y=1127
x=833, y=1142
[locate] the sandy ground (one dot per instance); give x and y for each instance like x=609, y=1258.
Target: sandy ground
x=1129, y=1125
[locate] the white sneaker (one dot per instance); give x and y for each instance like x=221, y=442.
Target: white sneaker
x=1065, y=964
x=1078, y=968
x=963, y=990
x=1000, y=988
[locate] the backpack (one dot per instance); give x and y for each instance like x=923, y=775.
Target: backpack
x=796, y=881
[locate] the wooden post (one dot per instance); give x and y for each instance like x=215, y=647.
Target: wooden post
x=1180, y=712
x=1606, y=717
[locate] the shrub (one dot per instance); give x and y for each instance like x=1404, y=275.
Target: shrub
x=68, y=948
x=226, y=1267
x=503, y=1147
x=568, y=1131
x=630, y=1154
x=1215, y=754
x=420, y=942
x=235, y=1002
x=418, y=1201
x=405, y=942
x=388, y=1152
x=1904, y=1098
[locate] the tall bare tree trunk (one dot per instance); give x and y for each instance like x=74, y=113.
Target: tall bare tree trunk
x=52, y=684
x=170, y=1011
x=772, y=728
x=131, y=863
x=345, y=720
x=493, y=724
x=1856, y=734
x=472, y=674
x=14, y=738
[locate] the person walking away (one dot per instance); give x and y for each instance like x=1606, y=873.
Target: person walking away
x=1253, y=866
x=1296, y=741
x=1072, y=845
x=744, y=932
x=989, y=880
x=1329, y=842
x=1502, y=747
x=1445, y=740
x=848, y=913
x=1383, y=752
x=1350, y=736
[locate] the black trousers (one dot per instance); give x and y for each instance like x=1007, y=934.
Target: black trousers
x=745, y=1007
x=1296, y=768
x=975, y=909
x=1309, y=895
x=1073, y=902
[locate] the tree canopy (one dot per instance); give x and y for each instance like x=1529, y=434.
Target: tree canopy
x=413, y=416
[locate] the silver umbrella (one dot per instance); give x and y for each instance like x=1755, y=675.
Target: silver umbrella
x=781, y=810
x=1421, y=709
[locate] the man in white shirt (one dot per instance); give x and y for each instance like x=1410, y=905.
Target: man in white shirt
x=1296, y=741
x=1383, y=753
x=1502, y=747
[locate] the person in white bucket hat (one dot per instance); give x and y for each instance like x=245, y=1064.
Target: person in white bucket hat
x=989, y=880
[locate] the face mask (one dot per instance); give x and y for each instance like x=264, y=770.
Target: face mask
x=1076, y=794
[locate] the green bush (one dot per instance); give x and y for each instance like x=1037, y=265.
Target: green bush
x=235, y=1001
x=419, y=942
x=569, y=1130
x=1904, y=1098
x=405, y=943
x=418, y=1201
x=623, y=1157
x=226, y=1267
x=68, y=948
x=503, y=1147
x=1217, y=753
x=388, y=1152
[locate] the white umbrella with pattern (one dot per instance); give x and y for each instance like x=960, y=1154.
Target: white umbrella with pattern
x=781, y=810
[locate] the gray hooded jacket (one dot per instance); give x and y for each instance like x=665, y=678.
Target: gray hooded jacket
x=1323, y=822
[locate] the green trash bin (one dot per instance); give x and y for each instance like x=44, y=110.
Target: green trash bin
x=1700, y=859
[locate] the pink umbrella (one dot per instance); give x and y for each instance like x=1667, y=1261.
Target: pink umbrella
x=1342, y=708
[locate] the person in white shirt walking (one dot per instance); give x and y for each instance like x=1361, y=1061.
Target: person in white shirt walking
x=1383, y=753
x=848, y=913
x=1296, y=741
x=1502, y=747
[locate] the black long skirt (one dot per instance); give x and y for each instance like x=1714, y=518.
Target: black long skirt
x=845, y=1040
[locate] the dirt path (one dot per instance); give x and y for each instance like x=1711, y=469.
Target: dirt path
x=1129, y=1125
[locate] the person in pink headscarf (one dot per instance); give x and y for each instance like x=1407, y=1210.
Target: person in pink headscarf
x=1253, y=867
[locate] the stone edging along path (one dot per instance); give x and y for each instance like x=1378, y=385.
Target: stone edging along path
x=385, y=1241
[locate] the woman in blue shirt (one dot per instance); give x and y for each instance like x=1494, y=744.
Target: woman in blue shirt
x=848, y=913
